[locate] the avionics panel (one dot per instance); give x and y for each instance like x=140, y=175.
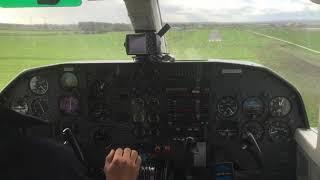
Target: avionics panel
x=167, y=110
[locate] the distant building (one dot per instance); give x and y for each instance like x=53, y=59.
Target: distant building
x=215, y=37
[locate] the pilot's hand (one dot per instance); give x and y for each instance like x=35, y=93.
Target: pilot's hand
x=122, y=165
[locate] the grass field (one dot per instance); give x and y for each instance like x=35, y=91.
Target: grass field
x=302, y=36
x=25, y=49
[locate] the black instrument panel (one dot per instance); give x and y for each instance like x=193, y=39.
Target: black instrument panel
x=154, y=107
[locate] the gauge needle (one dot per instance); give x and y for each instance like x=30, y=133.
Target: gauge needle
x=280, y=103
x=273, y=132
x=102, y=86
x=230, y=110
x=43, y=89
x=41, y=107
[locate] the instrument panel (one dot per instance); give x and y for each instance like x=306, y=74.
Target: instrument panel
x=156, y=107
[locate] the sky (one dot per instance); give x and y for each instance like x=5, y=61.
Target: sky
x=114, y=11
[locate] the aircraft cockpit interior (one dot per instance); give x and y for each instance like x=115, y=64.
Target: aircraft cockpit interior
x=188, y=119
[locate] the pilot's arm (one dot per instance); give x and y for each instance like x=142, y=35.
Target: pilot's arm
x=31, y=158
x=122, y=165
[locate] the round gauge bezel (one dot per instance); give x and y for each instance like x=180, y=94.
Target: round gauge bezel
x=78, y=112
x=242, y=130
x=93, y=89
x=61, y=84
x=269, y=106
x=38, y=100
x=219, y=102
x=271, y=123
x=41, y=78
x=24, y=101
x=257, y=115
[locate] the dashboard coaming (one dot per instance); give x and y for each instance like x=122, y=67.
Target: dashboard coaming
x=153, y=107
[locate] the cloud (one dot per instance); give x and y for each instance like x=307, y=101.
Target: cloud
x=172, y=11
x=238, y=10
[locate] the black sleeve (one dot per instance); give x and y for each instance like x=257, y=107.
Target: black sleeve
x=39, y=159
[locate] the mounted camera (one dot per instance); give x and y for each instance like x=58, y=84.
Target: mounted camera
x=146, y=43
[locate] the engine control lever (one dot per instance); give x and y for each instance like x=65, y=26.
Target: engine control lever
x=69, y=138
x=254, y=141
x=258, y=155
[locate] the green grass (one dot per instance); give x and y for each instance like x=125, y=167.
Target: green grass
x=195, y=44
x=26, y=49
x=57, y=47
x=301, y=36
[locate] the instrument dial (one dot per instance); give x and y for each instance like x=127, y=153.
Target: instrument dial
x=227, y=107
x=138, y=110
x=154, y=118
x=253, y=107
x=39, y=107
x=278, y=131
x=98, y=89
x=139, y=132
x=154, y=101
x=20, y=106
x=253, y=127
x=38, y=85
x=280, y=107
x=69, y=80
x=69, y=105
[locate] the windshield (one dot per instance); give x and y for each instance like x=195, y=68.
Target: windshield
x=282, y=35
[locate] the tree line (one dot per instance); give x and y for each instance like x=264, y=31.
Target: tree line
x=82, y=27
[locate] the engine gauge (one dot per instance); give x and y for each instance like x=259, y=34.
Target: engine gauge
x=20, y=106
x=138, y=110
x=253, y=106
x=154, y=101
x=253, y=127
x=227, y=106
x=69, y=80
x=280, y=107
x=69, y=105
x=39, y=107
x=278, y=131
x=38, y=85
